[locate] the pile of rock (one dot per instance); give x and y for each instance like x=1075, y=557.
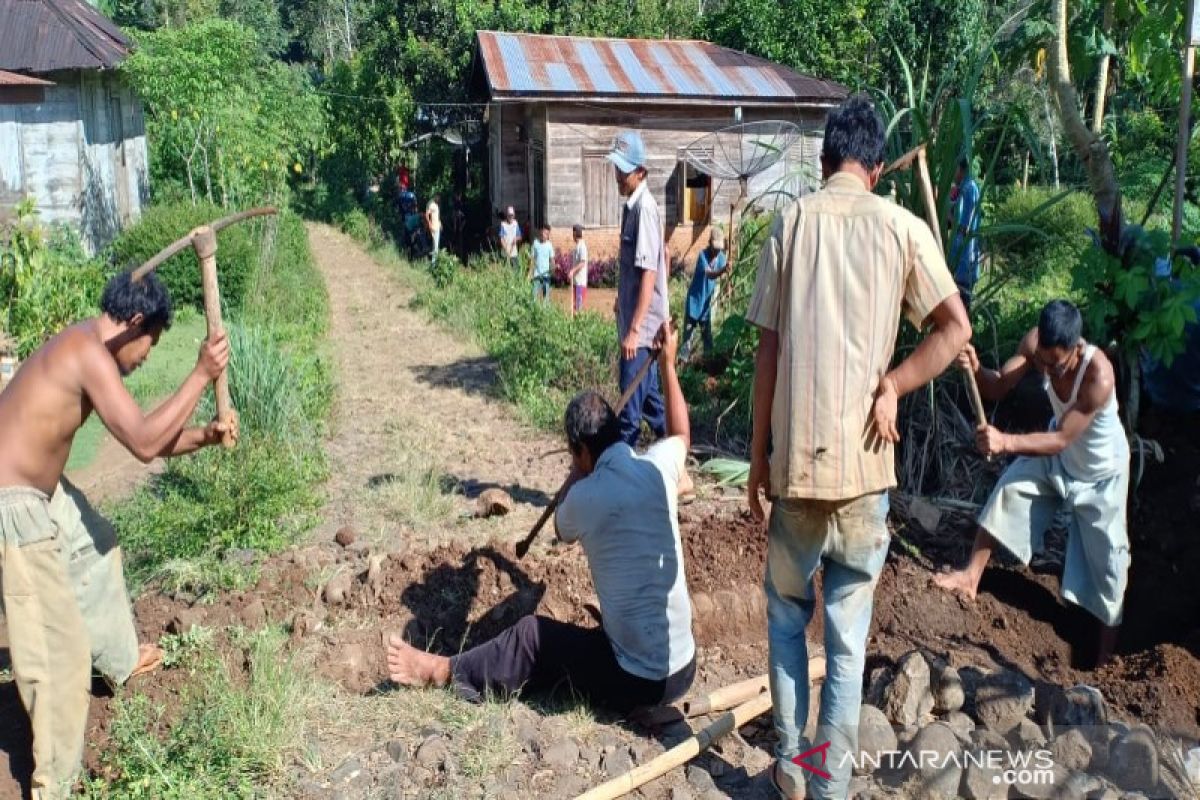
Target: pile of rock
x=929, y=730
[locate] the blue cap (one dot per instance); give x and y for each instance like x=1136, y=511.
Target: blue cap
x=628, y=152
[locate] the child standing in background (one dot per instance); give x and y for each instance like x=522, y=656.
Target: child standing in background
x=579, y=270
x=543, y=257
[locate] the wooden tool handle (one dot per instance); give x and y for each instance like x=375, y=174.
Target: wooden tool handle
x=524, y=545
x=205, y=241
x=976, y=399
x=690, y=748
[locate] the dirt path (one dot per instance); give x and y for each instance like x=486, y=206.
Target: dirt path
x=406, y=389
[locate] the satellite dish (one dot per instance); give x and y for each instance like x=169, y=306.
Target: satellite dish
x=740, y=152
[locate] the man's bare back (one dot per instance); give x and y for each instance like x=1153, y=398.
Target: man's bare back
x=81, y=370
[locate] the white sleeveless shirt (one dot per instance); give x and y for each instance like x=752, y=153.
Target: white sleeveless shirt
x=1102, y=450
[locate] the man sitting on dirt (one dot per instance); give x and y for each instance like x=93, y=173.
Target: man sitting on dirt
x=1081, y=464
x=622, y=507
x=837, y=270
x=64, y=593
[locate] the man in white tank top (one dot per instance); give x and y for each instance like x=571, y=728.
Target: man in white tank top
x=1081, y=465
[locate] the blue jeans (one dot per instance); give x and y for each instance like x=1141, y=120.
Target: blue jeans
x=541, y=289
x=646, y=402
x=849, y=539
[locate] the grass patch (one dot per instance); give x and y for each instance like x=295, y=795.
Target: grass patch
x=232, y=732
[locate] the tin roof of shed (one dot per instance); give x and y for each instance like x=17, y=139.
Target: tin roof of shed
x=535, y=66
x=48, y=35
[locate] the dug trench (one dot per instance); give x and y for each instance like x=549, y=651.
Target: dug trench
x=345, y=601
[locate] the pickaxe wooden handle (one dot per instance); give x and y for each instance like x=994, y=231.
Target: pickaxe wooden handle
x=204, y=241
x=643, y=371
x=916, y=159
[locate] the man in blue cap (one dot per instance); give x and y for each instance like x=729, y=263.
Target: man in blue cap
x=641, y=287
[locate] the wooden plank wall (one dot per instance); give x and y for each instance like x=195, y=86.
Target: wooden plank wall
x=81, y=153
x=575, y=131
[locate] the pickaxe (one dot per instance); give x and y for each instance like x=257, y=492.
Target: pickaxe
x=915, y=158
x=204, y=240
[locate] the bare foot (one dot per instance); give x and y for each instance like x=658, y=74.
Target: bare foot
x=409, y=666
x=959, y=581
x=150, y=658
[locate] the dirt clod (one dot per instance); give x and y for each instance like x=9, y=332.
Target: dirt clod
x=345, y=536
x=493, y=503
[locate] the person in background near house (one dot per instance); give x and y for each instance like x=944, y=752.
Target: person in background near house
x=510, y=237
x=579, y=270
x=541, y=267
x=1081, y=464
x=838, y=269
x=433, y=221
x=622, y=508
x=964, y=244
x=641, y=286
x=63, y=588
x=710, y=266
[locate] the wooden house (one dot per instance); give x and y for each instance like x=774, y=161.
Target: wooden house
x=72, y=134
x=555, y=104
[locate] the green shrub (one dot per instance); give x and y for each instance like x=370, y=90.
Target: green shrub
x=46, y=281
x=287, y=294
x=237, y=251
x=1061, y=228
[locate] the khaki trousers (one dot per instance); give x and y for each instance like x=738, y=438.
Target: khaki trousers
x=48, y=642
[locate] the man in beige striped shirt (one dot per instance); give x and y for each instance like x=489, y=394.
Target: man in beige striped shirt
x=839, y=267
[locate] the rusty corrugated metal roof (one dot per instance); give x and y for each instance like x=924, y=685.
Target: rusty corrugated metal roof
x=13, y=79
x=48, y=35
x=524, y=65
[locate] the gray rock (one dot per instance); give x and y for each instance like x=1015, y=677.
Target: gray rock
x=948, y=695
x=1002, y=700
x=699, y=779
x=397, y=751
x=679, y=793
x=904, y=695
x=433, y=752
x=1133, y=760
x=875, y=736
x=935, y=776
x=643, y=750
x=1035, y=783
x=350, y=769
x=1107, y=793
x=881, y=678
x=434, y=728
x=1078, y=786
x=925, y=709
x=616, y=762
x=563, y=754
x=981, y=781
x=962, y=725
x=1079, y=706
x=1072, y=750
x=1027, y=736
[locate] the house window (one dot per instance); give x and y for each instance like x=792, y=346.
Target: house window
x=694, y=193
x=601, y=199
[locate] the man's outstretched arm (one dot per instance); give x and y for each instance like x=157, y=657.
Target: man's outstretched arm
x=148, y=436
x=678, y=423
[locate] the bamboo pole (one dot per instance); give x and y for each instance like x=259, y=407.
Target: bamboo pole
x=727, y=697
x=689, y=749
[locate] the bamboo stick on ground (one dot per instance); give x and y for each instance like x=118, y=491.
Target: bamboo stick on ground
x=686, y=751
x=727, y=697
